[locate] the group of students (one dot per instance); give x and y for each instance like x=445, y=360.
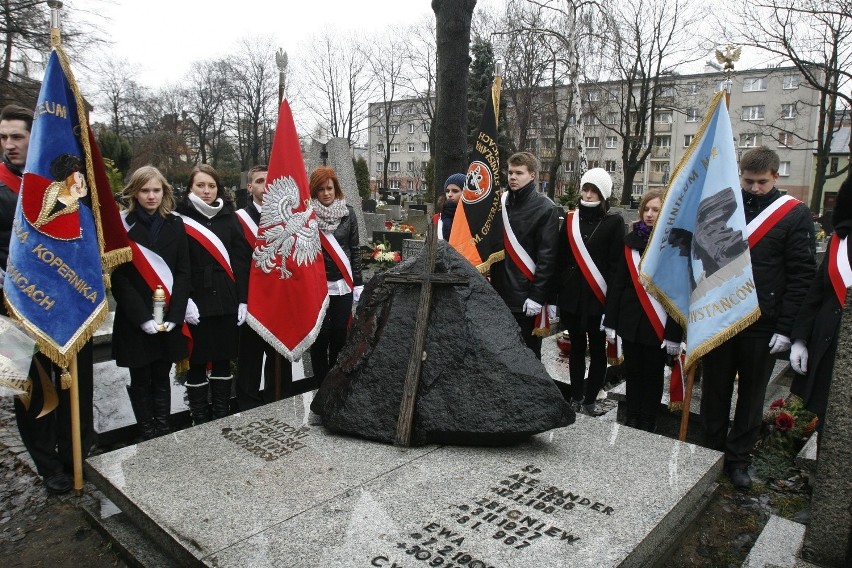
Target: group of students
x=588, y=267
x=207, y=247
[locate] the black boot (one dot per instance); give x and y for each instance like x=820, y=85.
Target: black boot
x=140, y=402
x=197, y=396
x=220, y=389
x=162, y=406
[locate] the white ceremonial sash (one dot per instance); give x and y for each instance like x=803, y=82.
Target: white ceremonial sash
x=519, y=256
x=843, y=265
x=440, y=228
x=339, y=257
x=767, y=218
x=590, y=271
x=657, y=314
x=248, y=224
x=150, y=265
x=211, y=243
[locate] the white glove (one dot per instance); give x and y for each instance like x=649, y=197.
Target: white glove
x=2, y=276
x=610, y=335
x=192, y=316
x=242, y=310
x=531, y=308
x=799, y=357
x=551, y=313
x=671, y=347
x=356, y=293
x=778, y=344
x=168, y=326
x=150, y=327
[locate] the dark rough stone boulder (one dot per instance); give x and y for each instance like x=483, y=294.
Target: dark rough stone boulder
x=479, y=384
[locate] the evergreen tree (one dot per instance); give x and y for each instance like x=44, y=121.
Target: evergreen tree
x=362, y=176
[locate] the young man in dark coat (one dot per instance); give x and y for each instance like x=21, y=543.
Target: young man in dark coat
x=783, y=266
x=534, y=221
x=47, y=438
x=815, y=333
x=250, y=363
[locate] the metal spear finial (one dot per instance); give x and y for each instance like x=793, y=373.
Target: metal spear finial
x=281, y=62
x=55, y=35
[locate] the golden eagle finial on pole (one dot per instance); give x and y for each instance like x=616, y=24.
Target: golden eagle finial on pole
x=728, y=58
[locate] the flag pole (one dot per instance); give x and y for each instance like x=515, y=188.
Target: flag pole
x=281, y=63
x=687, y=402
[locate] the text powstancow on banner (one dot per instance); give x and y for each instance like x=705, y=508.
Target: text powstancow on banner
x=478, y=227
x=288, y=294
x=65, y=227
x=697, y=263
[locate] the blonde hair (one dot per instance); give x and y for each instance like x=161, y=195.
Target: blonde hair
x=139, y=178
x=650, y=194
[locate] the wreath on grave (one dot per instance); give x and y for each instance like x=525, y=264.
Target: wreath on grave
x=787, y=425
x=384, y=256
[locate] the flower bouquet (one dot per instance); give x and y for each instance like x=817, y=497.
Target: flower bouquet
x=787, y=426
x=384, y=256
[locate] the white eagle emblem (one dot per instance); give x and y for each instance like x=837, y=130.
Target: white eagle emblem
x=284, y=232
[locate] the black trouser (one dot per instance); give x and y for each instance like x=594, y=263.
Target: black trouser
x=197, y=373
x=578, y=331
x=249, y=368
x=746, y=354
x=48, y=439
x=527, y=324
x=149, y=386
x=643, y=367
x=332, y=335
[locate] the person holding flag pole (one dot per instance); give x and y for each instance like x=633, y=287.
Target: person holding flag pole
x=732, y=265
x=68, y=232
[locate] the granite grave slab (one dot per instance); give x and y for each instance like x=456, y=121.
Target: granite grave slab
x=266, y=488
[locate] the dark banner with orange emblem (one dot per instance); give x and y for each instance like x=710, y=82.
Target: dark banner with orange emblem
x=478, y=227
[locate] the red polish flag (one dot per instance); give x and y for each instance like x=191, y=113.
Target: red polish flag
x=288, y=294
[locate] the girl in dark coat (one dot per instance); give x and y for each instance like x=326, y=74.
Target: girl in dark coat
x=217, y=303
x=580, y=308
x=448, y=204
x=138, y=342
x=337, y=219
x=644, y=356
x=817, y=326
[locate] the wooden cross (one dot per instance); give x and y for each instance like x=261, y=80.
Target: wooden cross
x=415, y=363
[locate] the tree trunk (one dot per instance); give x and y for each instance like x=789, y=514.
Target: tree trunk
x=452, y=22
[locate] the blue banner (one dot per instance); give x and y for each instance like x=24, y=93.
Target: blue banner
x=697, y=263
x=54, y=282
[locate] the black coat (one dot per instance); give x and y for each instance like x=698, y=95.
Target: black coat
x=603, y=234
x=818, y=324
x=782, y=262
x=213, y=290
x=8, y=200
x=132, y=347
x=535, y=221
x=624, y=312
x=346, y=234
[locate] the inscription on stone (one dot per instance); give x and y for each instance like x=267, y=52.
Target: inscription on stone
x=268, y=438
x=519, y=511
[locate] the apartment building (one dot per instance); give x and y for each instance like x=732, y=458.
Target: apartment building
x=407, y=144
x=768, y=106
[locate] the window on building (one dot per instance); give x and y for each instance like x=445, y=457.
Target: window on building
x=748, y=140
x=593, y=142
x=612, y=118
x=381, y=129
x=410, y=109
x=594, y=96
x=410, y=184
x=424, y=146
x=785, y=139
x=833, y=165
x=410, y=166
x=613, y=95
x=548, y=144
x=425, y=128
x=572, y=120
x=641, y=169
x=394, y=148
x=692, y=88
x=665, y=91
x=569, y=167
x=638, y=190
x=659, y=167
x=754, y=112
x=663, y=141
x=791, y=82
x=393, y=166
x=692, y=115
x=394, y=183
x=378, y=167
x=396, y=111
x=609, y=165
x=611, y=141
x=394, y=129
x=411, y=129
x=784, y=169
x=687, y=139
x=754, y=84
x=572, y=142
x=589, y=119
x=593, y=164
x=663, y=116
x=411, y=146
x=788, y=111
x=380, y=148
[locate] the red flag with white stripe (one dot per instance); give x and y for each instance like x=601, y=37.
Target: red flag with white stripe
x=288, y=294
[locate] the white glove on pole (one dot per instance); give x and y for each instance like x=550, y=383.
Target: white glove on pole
x=192, y=316
x=671, y=347
x=356, y=293
x=799, y=357
x=150, y=327
x=551, y=313
x=610, y=335
x=531, y=308
x=168, y=326
x=778, y=344
x=2, y=276
x=242, y=311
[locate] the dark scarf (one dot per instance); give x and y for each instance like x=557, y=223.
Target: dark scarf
x=757, y=203
x=151, y=222
x=642, y=231
x=448, y=213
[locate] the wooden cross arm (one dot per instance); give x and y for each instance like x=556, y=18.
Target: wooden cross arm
x=437, y=278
